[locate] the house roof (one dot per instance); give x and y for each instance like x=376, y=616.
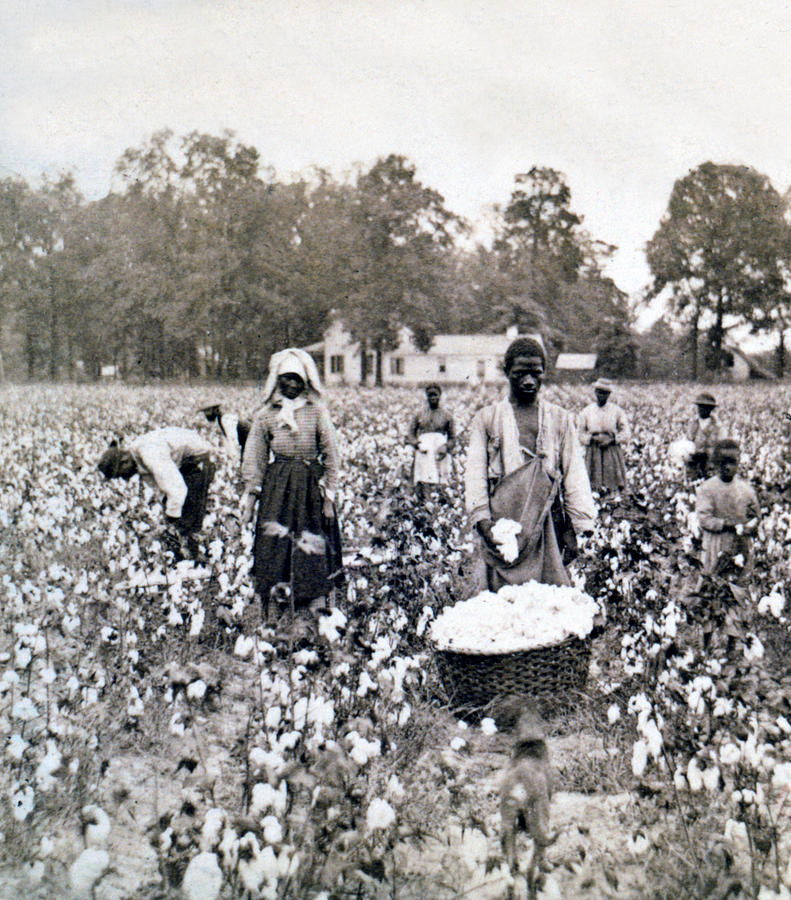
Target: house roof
x=581, y=362
x=469, y=344
x=755, y=367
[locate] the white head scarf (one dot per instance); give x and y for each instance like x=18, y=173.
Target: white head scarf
x=292, y=361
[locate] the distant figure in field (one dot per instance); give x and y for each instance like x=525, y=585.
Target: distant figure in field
x=603, y=427
x=233, y=429
x=525, y=469
x=433, y=436
x=180, y=463
x=705, y=434
x=728, y=513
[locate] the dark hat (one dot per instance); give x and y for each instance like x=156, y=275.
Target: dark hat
x=212, y=412
x=705, y=399
x=110, y=462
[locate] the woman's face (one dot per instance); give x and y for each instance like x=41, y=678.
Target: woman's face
x=525, y=377
x=601, y=396
x=290, y=385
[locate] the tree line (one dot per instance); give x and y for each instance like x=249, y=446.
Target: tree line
x=201, y=262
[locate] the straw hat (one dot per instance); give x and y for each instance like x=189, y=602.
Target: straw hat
x=603, y=384
x=705, y=399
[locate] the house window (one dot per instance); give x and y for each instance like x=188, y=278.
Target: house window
x=396, y=365
x=481, y=368
x=442, y=365
x=336, y=365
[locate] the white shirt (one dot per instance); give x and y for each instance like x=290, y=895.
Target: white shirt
x=159, y=454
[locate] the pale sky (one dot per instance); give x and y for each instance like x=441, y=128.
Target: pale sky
x=623, y=96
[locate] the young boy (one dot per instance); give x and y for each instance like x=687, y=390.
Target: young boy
x=728, y=512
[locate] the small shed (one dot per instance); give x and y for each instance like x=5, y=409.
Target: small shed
x=575, y=366
x=109, y=372
x=741, y=367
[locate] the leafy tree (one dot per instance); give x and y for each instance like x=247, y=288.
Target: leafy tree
x=403, y=231
x=718, y=248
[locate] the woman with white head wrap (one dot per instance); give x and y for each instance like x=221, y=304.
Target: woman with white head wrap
x=290, y=469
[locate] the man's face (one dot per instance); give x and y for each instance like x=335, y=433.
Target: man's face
x=728, y=465
x=704, y=410
x=601, y=396
x=290, y=385
x=525, y=377
x=433, y=395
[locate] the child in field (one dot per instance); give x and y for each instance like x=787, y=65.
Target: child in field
x=728, y=512
x=180, y=463
x=705, y=434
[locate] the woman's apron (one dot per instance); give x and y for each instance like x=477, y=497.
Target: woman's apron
x=526, y=496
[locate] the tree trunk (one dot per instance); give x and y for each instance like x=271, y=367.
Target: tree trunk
x=379, y=381
x=781, y=352
x=363, y=362
x=54, y=339
x=695, y=347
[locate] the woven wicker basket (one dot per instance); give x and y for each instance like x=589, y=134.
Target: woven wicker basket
x=555, y=673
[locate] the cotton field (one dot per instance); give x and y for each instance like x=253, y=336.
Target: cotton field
x=158, y=742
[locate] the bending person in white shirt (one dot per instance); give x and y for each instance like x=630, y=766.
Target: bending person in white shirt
x=179, y=461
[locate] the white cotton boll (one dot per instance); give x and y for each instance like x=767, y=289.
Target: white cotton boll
x=694, y=775
x=504, y=532
x=23, y=801
x=16, y=746
x=87, y=869
x=711, y=778
x=273, y=716
x=273, y=831
x=638, y=844
x=488, y=726
x=781, y=778
x=403, y=716
x=730, y=754
x=613, y=713
x=212, y=827
x=196, y=622
x=380, y=814
x=366, y=684
x=680, y=780
x=736, y=832
x=639, y=758
x=243, y=647
x=394, y=787
x=653, y=737
x=196, y=690
x=96, y=825
x=755, y=649
x=202, y=878
x=457, y=743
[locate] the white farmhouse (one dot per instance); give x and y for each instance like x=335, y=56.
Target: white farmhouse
x=451, y=359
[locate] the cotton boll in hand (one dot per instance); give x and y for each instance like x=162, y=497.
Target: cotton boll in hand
x=504, y=532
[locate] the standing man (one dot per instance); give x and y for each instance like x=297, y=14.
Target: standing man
x=706, y=432
x=433, y=435
x=524, y=464
x=179, y=462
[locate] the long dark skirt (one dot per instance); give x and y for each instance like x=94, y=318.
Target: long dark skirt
x=606, y=469
x=294, y=543
x=197, y=474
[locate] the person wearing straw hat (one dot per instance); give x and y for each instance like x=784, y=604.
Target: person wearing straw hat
x=234, y=430
x=525, y=479
x=603, y=427
x=181, y=464
x=706, y=432
x=290, y=470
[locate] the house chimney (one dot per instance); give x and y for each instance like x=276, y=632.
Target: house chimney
x=512, y=331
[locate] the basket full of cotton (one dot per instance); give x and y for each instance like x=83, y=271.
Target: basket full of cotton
x=524, y=640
